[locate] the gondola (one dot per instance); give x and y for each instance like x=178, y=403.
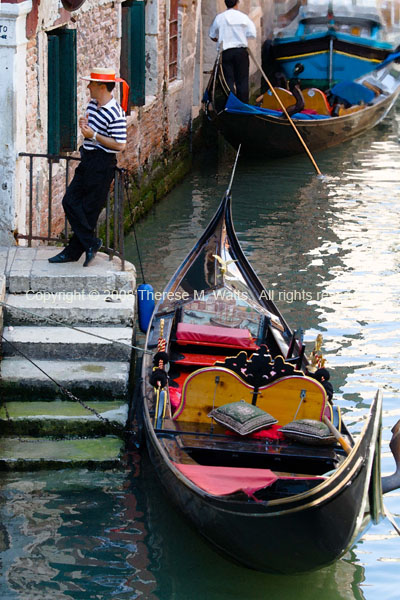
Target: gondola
x=229, y=415
x=333, y=42
x=265, y=131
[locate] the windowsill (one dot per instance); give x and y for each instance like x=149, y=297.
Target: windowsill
x=150, y=102
x=175, y=86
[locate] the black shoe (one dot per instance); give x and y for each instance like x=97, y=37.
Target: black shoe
x=91, y=252
x=62, y=257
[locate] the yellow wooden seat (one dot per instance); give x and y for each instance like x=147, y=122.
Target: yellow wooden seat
x=269, y=100
x=292, y=398
x=350, y=110
x=210, y=388
x=315, y=99
x=286, y=399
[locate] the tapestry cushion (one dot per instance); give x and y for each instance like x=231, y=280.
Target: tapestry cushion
x=242, y=417
x=309, y=431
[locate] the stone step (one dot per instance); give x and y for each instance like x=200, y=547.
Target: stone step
x=94, y=380
x=28, y=270
x=63, y=418
x=27, y=454
x=70, y=308
x=62, y=343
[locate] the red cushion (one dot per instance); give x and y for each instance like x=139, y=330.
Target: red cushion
x=202, y=360
x=175, y=396
x=271, y=433
x=188, y=332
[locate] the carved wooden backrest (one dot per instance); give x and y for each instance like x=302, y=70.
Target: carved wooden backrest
x=288, y=398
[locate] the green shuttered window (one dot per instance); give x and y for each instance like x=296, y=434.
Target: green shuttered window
x=133, y=49
x=62, y=113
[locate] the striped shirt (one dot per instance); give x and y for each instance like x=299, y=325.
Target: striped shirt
x=108, y=120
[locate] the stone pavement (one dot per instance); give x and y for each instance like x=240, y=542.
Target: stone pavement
x=41, y=427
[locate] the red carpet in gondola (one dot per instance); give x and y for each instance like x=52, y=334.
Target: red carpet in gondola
x=227, y=480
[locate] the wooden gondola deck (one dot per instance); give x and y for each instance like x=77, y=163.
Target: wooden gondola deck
x=211, y=444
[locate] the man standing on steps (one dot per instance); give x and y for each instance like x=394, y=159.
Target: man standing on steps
x=104, y=130
x=231, y=29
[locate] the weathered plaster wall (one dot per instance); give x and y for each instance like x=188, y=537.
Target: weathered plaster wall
x=12, y=115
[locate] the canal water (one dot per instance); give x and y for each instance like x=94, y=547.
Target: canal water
x=327, y=249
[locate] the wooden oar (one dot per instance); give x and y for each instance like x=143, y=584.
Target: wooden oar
x=310, y=156
x=346, y=447
x=390, y=58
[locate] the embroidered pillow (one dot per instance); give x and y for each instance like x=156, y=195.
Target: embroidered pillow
x=308, y=431
x=242, y=417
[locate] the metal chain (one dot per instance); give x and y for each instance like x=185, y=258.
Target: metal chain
x=3, y=400
x=67, y=393
x=71, y=396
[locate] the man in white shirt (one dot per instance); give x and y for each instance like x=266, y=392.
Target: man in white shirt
x=231, y=29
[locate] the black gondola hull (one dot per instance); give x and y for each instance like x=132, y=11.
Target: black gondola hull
x=274, y=137
x=291, y=532
x=294, y=536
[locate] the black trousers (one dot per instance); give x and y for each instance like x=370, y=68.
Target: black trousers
x=86, y=197
x=235, y=64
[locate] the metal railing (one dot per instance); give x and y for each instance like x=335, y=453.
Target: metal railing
x=112, y=216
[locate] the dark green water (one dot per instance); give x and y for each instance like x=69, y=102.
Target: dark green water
x=328, y=251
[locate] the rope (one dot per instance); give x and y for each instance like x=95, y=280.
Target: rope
x=96, y=335
x=133, y=226
x=67, y=392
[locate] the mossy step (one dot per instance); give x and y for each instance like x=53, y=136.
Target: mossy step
x=86, y=379
x=62, y=418
x=31, y=454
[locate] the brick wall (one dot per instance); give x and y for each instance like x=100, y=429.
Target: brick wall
x=150, y=133
x=156, y=131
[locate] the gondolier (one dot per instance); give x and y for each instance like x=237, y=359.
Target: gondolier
x=104, y=131
x=231, y=29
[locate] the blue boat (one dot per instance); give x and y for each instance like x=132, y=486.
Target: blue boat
x=333, y=43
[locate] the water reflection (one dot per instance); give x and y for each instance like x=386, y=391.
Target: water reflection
x=76, y=534
x=86, y=535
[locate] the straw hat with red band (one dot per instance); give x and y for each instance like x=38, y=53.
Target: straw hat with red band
x=106, y=76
